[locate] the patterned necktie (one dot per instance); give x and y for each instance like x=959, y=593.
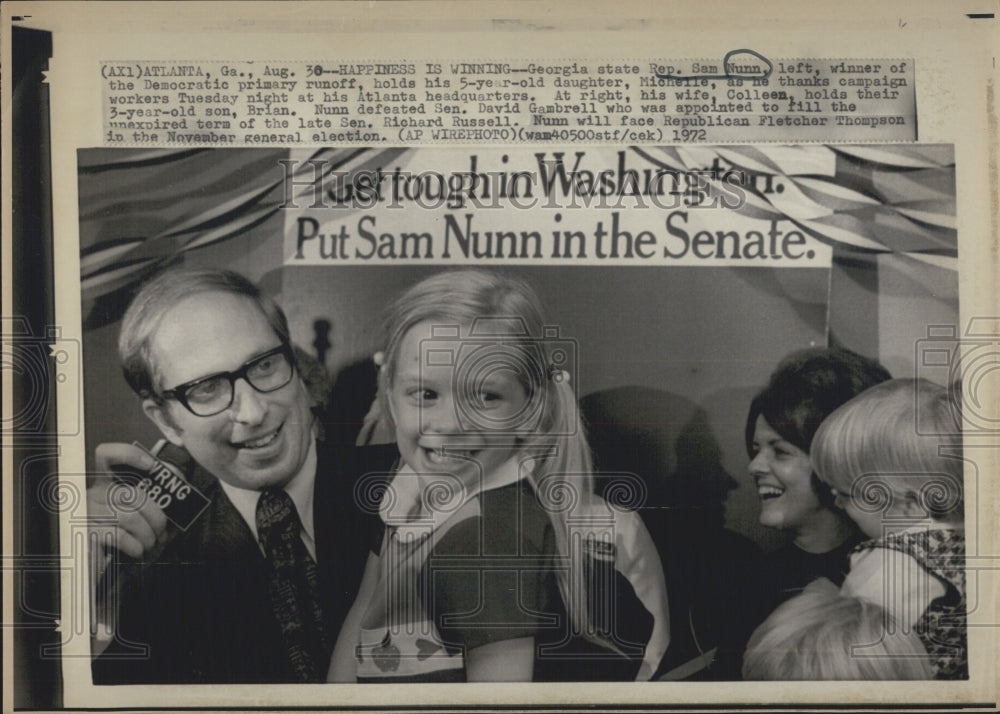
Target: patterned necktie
x=293, y=586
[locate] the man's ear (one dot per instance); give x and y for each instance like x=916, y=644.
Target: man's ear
x=157, y=413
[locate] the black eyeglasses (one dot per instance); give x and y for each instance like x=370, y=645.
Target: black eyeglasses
x=213, y=394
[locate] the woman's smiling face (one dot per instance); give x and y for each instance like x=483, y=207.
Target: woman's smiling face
x=783, y=476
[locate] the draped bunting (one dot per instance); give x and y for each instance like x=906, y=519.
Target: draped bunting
x=878, y=199
x=141, y=211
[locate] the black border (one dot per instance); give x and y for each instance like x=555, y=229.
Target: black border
x=37, y=678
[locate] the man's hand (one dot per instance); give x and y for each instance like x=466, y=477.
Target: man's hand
x=119, y=514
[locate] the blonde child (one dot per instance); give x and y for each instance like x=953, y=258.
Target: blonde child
x=900, y=480
x=495, y=554
x=822, y=634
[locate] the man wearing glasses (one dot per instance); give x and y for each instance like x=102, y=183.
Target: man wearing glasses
x=255, y=589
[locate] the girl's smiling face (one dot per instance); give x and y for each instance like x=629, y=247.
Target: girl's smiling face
x=443, y=412
x=783, y=476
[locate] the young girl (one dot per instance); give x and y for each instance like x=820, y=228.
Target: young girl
x=496, y=556
x=899, y=477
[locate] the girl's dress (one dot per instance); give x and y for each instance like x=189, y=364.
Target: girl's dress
x=918, y=575
x=462, y=568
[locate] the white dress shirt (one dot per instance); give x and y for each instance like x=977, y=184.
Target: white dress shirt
x=299, y=489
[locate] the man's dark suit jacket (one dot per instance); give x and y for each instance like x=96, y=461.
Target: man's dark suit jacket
x=201, y=612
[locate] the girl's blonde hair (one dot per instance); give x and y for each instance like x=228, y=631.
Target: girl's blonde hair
x=823, y=635
x=492, y=306
x=897, y=440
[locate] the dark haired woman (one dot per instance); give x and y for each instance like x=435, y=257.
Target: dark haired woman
x=804, y=389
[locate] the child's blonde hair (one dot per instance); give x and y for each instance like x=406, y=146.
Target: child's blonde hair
x=494, y=306
x=873, y=449
x=823, y=635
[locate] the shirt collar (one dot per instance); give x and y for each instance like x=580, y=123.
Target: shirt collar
x=299, y=489
x=928, y=524
x=402, y=504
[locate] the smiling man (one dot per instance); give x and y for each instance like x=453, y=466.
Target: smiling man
x=255, y=589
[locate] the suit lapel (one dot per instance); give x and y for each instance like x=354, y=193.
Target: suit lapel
x=344, y=530
x=225, y=533
x=324, y=502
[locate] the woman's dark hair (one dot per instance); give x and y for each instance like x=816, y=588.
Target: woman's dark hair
x=804, y=389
